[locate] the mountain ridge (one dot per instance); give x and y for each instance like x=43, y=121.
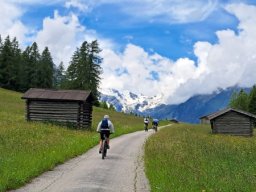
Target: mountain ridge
x=189, y=111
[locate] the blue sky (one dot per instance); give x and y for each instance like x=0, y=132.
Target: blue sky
x=173, y=39
x=167, y=47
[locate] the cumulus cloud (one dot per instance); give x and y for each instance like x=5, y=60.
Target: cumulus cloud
x=63, y=34
x=231, y=61
x=10, y=23
x=141, y=72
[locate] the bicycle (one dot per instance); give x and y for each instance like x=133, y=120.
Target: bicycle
x=146, y=127
x=104, y=146
x=155, y=128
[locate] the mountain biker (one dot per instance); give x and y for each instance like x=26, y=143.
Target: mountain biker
x=106, y=127
x=146, y=122
x=155, y=123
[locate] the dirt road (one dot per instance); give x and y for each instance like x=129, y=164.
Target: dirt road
x=121, y=171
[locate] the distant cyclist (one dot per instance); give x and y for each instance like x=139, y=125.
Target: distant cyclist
x=146, y=122
x=155, y=123
x=106, y=127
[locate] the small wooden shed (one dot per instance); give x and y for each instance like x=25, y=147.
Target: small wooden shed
x=204, y=120
x=66, y=106
x=174, y=121
x=231, y=121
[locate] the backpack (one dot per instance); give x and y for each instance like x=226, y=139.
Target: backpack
x=104, y=124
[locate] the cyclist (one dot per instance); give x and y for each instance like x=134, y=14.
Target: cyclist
x=146, y=122
x=106, y=127
x=155, y=123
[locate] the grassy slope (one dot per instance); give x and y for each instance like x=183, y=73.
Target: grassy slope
x=29, y=148
x=189, y=158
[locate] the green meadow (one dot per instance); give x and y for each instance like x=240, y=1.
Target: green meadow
x=27, y=149
x=187, y=157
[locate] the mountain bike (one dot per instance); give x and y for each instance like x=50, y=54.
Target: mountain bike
x=104, y=146
x=155, y=128
x=146, y=127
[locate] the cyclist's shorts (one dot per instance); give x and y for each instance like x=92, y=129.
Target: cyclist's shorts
x=107, y=132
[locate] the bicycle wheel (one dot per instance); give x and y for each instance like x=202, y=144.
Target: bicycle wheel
x=146, y=127
x=103, y=149
x=155, y=128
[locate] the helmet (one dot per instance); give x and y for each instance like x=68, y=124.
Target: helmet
x=106, y=117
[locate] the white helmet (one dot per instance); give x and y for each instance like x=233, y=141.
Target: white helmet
x=106, y=117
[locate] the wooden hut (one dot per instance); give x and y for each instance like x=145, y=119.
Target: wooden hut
x=204, y=120
x=66, y=106
x=174, y=121
x=231, y=121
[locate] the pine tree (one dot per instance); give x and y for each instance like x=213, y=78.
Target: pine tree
x=25, y=70
x=30, y=67
x=72, y=72
x=2, y=66
x=104, y=105
x=240, y=100
x=83, y=64
x=5, y=67
x=34, y=63
x=233, y=100
x=252, y=101
x=111, y=107
x=59, y=76
x=16, y=59
x=84, y=69
x=95, y=60
x=9, y=64
x=1, y=45
x=45, y=70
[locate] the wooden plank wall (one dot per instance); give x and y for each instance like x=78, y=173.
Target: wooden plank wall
x=233, y=123
x=85, y=117
x=78, y=114
x=204, y=121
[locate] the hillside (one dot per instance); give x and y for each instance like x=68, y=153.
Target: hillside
x=30, y=148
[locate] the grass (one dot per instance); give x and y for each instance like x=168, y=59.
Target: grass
x=29, y=148
x=189, y=158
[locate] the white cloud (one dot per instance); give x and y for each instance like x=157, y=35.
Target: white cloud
x=231, y=61
x=63, y=34
x=170, y=11
x=76, y=4
x=10, y=23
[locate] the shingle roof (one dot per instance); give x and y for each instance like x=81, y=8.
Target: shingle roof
x=221, y=112
x=49, y=94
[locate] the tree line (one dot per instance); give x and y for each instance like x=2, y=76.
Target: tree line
x=244, y=101
x=24, y=69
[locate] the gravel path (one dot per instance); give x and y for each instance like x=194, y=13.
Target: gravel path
x=121, y=171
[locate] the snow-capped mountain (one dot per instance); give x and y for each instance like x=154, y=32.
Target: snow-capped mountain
x=189, y=111
x=129, y=102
